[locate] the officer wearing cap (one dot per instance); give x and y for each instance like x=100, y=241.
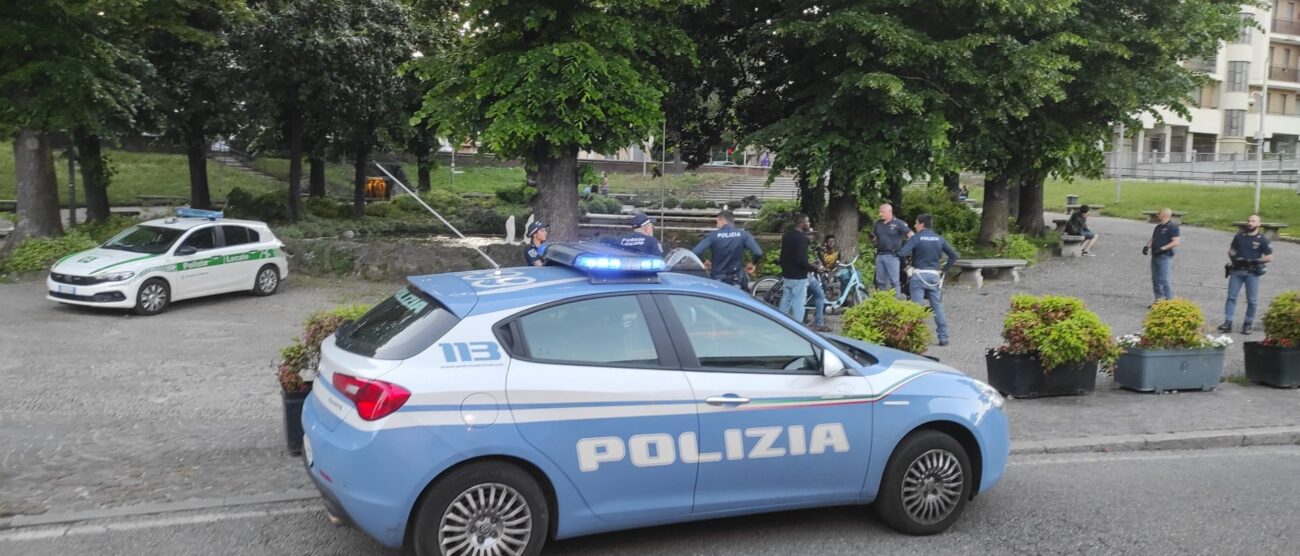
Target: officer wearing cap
x=926, y=282
x=729, y=244
x=642, y=239
x=1250, y=253
x=536, y=244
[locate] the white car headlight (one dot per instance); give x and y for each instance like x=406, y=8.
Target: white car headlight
x=116, y=276
x=992, y=394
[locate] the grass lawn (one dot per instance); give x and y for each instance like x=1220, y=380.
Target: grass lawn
x=1206, y=206
x=139, y=174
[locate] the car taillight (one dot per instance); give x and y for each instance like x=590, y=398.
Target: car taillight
x=375, y=399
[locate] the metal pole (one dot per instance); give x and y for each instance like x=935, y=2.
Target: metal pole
x=453, y=168
x=435, y=213
x=1259, y=142
x=663, y=186
x=1119, y=164
x=72, y=188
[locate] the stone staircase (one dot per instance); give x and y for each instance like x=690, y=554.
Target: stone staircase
x=782, y=188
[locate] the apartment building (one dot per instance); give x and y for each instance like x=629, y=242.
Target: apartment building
x=1226, y=119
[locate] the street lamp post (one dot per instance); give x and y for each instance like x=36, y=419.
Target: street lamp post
x=1263, y=111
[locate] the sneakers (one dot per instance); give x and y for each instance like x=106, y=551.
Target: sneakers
x=823, y=328
x=1089, y=254
x=1246, y=329
x=943, y=342
x=1227, y=327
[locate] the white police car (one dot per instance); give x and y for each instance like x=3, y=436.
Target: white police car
x=150, y=265
x=486, y=412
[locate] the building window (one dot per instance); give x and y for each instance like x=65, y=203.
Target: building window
x=1234, y=123
x=1243, y=33
x=1237, y=74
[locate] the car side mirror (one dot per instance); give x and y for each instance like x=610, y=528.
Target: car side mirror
x=832, y=366
x=186, y=250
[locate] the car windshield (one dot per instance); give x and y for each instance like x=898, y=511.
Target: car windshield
x=144, y=239
x=397, y=328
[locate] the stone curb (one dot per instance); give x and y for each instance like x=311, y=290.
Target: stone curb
x=1194, y=440
x=159, y=508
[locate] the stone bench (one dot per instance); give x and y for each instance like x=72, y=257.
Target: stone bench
x=161, y=200
x=1271, y=230
x=1153, y=216
x=8, y=205
x=1069, y=209
x=991, y=268
x=1060, y=223
x=1070, y=246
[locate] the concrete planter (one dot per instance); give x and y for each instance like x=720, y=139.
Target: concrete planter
x=1023, y=376
x=1272, y=365
x=293, y=418
x=1159, y=370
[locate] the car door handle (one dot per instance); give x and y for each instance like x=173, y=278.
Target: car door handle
x=726, y=400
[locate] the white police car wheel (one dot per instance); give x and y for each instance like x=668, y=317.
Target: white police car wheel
x=490, y=508
x=152, y=298
x=926, y=484
x=268, y=280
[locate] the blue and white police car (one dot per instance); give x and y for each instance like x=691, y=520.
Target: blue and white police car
x=148, y=266
x=487, y=412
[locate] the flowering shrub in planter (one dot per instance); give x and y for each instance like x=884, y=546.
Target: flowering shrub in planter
x=298, y=364
x=891, y=322
x=1172, y=352
x=1052, y=345
x=1276, y=360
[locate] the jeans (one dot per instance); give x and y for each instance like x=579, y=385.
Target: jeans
x=926, y=286
x=887, y=273
x=794, y=293
x=1160, y=265
x=819, y=301
x=1235, y=280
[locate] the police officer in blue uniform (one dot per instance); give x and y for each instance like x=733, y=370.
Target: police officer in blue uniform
x=1250, y=253
x=888, y=233
x=729, y=244
x=1164, y=238
x=926, y=249
x=535, y=244
x=642, y=239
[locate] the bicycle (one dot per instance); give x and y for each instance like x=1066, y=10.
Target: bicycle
x=853, y=292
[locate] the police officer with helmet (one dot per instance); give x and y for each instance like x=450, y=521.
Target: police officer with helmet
x=642, y=239
x=1250, y=254
x=729, y=244
x=535, y=244
x=926, y=249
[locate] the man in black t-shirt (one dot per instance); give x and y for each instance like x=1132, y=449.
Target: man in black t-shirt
x=1250, y=253
x=1164, y=238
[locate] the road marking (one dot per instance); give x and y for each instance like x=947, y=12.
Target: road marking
x=45, y=533
x=1038, y=459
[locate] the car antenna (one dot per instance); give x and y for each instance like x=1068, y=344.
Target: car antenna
x=435, y=213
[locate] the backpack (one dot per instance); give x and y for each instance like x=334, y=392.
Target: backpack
x=1074, y=227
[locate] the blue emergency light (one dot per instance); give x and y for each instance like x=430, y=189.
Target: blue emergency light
x=187, y=212
x=605, y=263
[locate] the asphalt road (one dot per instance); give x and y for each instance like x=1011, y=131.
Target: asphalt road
x=1230, y=501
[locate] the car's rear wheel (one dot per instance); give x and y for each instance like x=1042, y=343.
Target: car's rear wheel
x=489, y=509
x=267, y=281
x=926, y=485
x=153, y=297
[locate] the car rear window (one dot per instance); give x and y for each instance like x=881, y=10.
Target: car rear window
x=398, y=328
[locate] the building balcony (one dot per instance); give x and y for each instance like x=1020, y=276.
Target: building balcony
x=1201, y=64
x=1280, y=73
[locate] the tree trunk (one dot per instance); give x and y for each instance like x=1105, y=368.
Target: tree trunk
x=94, y=175
x=812, y=197
x=295, y=132
x=842, y=217
x=1013, y=196
x=556, y=203
x=316, y=174
x=359, y=182
x=952, y=182
x=1029, y=217
x=196, y=153
x=37, y=188
x=423, y=165
x=896, y=183
x=993, y=223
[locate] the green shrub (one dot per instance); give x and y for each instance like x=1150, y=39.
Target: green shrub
x=886, y=320
x=101, y=232
x=520, y=195
x=40, y=253
x=304, y=354
x=325, y=207
x=271, y=206
x=697, y=204
x=1282, y=320
x=671, y=203
x=380, y=209
x=1060, y=330
x=1173, y=324
x=950, y=217
x=1017, y=246
x=775, y=216
x=443, y=201
x=771, y=265
x=587, y=175
x=600, y=204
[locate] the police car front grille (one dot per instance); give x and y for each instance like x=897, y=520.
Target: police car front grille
x=102, y=297
x=74, y=280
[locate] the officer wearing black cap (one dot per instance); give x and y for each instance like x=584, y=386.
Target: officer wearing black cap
x=535, y=245
x=642, y=239
x=729, y=244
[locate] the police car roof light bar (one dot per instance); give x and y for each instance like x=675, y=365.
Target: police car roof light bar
x=187, y=212
x=435, y=213
x=606, y=264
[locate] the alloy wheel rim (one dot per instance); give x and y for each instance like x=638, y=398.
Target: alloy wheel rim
x=932, y=486
x=488, y=519
x=266, y=281
x=153, y=297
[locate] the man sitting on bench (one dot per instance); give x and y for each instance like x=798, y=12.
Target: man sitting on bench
x=1078, y=226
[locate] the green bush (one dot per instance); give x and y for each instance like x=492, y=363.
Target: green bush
x=671, y=203
x=886, y=320
x=382, y=209
x=697, y=204
x=325, y=207
x=775, y=216
x=40, y=253
x=271, y=206
x=950, y=217
x=1173, y=324
x=520, y=195
x=587, y=175
x=1282, y=320
x=1017, y=246
x=600, y=204
x=304, y=354
x=1060, y=330
x=101, y=232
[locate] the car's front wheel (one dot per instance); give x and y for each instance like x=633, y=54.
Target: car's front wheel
x=267, y=281
x=926, y=485
x=489, y=509
x=153, y=297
